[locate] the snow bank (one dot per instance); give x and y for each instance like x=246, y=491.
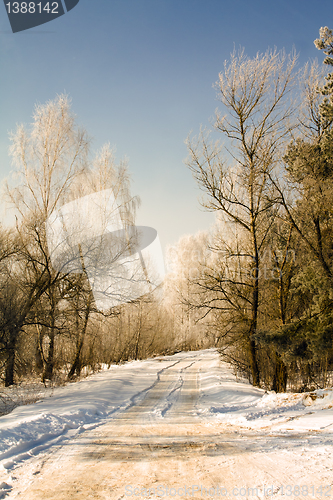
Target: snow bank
x=74, y=408
x=236, y=402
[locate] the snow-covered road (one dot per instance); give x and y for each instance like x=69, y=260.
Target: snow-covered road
x=180, y=426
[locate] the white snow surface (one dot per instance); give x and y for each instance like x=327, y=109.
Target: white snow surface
x=99, y=398
x=96, y=399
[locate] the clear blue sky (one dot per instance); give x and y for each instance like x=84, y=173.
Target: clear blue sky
x=140, y=75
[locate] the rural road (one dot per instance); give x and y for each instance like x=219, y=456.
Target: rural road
x=162, y=444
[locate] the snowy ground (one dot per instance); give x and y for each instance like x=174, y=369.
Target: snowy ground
x=178, y=426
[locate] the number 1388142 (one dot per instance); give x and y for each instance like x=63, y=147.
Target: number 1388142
x=32, y=8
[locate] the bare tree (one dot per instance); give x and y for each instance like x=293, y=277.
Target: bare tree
x=236, y=179
x=47, y=157
x=103, y=174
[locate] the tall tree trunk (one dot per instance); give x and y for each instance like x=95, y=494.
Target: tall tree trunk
x=253, y=363
x=38, y=359
x=39, y=355
x=254, y=312
x=77, y=363
x=10, y=359
x=49, y=364
x=138, y=335
x=9, y=367
x=279, y=383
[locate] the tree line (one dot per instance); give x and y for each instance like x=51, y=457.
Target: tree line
x=267, y=281
x=50, y=326
x=258, y=285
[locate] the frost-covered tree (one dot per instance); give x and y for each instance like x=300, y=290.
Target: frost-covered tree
x=46, y=157
x=309, y=164
x=307, y=197
x=184, y=298
x=53, y=167
x=325, y=43
x=256, y=121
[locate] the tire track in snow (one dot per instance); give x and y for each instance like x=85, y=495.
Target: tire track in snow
x=140, y=446
x=160, y=397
